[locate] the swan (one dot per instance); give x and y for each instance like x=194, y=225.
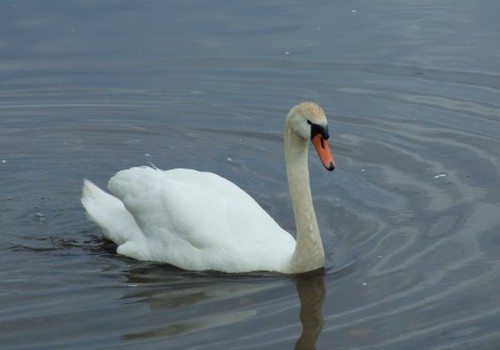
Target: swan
x=201, y=221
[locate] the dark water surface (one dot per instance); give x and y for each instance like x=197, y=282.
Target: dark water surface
x=410, y=218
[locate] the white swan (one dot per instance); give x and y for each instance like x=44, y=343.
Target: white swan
x=201, y=221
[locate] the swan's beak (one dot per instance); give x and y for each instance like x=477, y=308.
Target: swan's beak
x=324, y=152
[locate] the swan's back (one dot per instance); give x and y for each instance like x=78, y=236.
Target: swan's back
x=196, y=221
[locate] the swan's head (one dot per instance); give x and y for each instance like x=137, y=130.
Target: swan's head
x=308, y=120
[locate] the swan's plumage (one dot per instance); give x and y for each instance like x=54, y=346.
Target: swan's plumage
x=201, y=221
x=190, y=219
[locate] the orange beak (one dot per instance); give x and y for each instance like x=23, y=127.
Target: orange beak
x=324, y=152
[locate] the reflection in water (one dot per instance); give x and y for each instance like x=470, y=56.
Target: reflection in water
x=193, y=325
x=311, y=292
x=197, y=294
x=229, y=300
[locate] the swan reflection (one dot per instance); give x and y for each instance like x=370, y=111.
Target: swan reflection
x=228, y=301
x=311, y=291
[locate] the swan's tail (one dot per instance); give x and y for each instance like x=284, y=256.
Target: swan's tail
x=109, y=213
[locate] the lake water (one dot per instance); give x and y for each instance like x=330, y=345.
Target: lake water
x=410, y=218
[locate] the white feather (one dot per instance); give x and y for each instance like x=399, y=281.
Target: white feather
x=193, y=220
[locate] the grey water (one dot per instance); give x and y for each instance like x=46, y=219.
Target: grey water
x=410, y=218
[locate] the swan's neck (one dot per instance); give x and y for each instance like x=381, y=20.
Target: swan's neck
x=309, y=254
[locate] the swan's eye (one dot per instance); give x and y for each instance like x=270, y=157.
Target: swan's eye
x=318, y=129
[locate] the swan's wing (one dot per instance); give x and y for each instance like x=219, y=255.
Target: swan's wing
x=163, y=206
x=199, y=220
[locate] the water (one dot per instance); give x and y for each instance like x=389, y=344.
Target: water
x=410, y=218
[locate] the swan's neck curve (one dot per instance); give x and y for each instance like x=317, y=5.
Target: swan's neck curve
x=309, y=254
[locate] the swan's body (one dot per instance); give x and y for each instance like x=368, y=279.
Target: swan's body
x=201, y=221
